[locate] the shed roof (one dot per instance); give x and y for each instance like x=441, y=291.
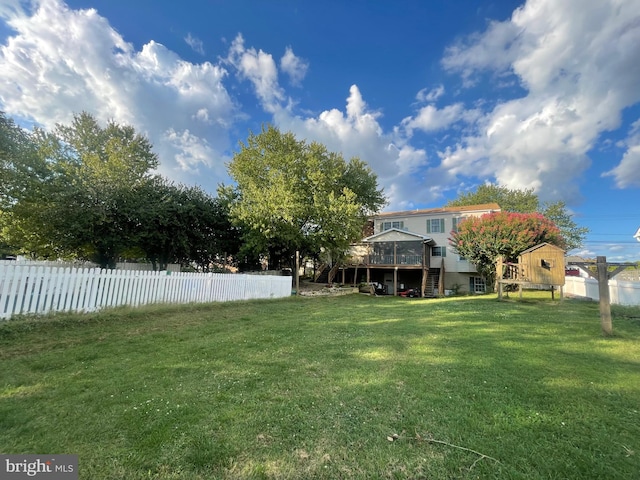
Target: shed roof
x=540, y=245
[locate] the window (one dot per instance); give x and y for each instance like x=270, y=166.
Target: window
x=438, y=251
x=455, y=221
x=435, y=225
x=477, y=285
x=389, y=225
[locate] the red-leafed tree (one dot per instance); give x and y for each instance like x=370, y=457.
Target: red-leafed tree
x=482, y=240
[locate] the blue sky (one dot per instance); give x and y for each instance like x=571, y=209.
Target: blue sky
x=437, y=96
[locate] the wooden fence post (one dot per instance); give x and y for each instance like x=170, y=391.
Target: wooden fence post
x=603, y=291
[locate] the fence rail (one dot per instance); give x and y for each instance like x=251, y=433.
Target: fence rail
x=40, y=290
x=620, y=292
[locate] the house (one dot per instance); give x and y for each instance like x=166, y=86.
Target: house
x=410, y=249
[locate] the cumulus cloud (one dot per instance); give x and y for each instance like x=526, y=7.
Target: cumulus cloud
x=627, y=173
x=190, y=150
x=495, y=49
x=580, y=66
x=577, y=63
x=356, y=132
x=294, y=66
x=61, y=61
x=430, y=118
x=260, y=69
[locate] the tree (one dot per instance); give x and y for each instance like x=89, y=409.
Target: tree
x=68, y=193
x=24, y=175
x=87, y=191
x=213, y=239
x=523, y=201
x=572, y=235
x=526, y=201
x=12, y=138
x=184, y=224
x=290, y=195
x=482, y=240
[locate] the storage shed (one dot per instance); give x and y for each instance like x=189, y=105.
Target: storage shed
x=542, y=265
x=539, y=265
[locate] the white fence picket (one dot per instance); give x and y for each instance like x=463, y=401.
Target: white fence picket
x=39, y=290
x=620, y=292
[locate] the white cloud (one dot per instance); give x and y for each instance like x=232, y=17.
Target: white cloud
x=195, y=43
x=430, y=95
x=356, y=132
x=260, y=69
x=577, y=62
x=61, y=61
x=191, y=151
x=627, y=173
x=584, y=253
x=430, y=118
x=10, y=9
x=294, y=66
x=580, y=65
x=495, y=49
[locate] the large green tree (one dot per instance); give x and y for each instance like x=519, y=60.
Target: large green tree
x=292, y=195
x=14, y=142
x=28, y=182
x=70, y=192
x=184, y=224
x=526, y=201
x=104, y=168
x=482, y=240
x=88, y=192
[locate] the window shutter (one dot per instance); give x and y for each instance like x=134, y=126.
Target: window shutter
x=442, y=225
x=454, y=224
x=428, y=226
x=443, y=250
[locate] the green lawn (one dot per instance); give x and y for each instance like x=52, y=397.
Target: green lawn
x=345, y=387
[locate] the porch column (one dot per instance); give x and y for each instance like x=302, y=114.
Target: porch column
x=368, y=275
x=425, y=269
x=395, y=281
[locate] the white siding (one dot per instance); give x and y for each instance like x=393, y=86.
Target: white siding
x=417, y=223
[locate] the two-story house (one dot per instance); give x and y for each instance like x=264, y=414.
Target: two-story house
x=410, y=249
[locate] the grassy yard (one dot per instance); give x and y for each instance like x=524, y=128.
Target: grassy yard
x=347, y=387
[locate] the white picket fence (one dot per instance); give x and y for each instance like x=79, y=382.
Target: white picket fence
x=40, y=290
x=620, y=292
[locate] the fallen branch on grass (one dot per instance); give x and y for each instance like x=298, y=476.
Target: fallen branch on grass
x=441, y=442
